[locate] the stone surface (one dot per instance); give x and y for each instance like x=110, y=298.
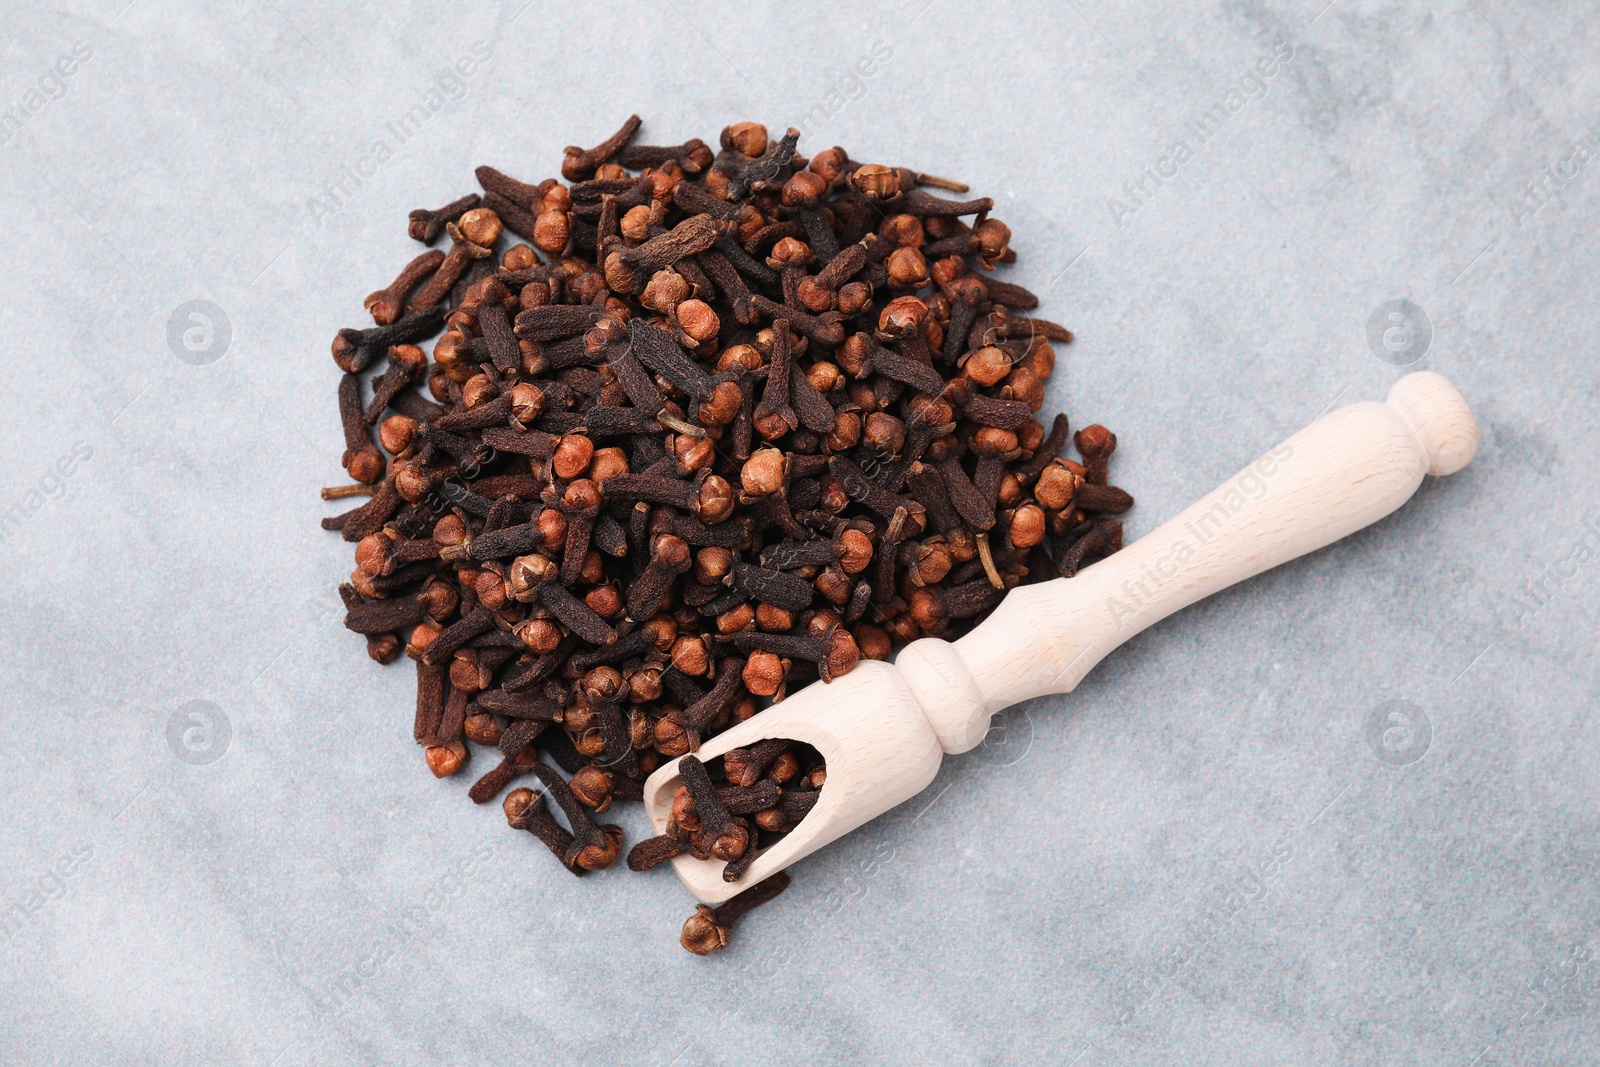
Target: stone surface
x=1199, y=857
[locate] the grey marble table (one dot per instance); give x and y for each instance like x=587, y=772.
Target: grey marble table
x=1344, y=814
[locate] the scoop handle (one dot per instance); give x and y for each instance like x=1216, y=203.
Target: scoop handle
x=1345, y=471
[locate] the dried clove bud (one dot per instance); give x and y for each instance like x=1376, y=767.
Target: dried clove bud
x=708, y=929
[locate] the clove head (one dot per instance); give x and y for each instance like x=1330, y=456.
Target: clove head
x=702, y=935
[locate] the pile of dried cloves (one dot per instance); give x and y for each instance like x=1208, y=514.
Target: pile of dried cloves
x=718, y=425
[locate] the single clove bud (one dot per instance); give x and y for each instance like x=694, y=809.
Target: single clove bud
x=426, y=226
x=708, y=929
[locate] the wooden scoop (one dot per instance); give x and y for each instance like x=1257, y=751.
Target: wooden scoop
x=884, y=728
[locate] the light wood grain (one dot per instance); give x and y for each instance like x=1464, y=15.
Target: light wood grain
x=883, y=729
